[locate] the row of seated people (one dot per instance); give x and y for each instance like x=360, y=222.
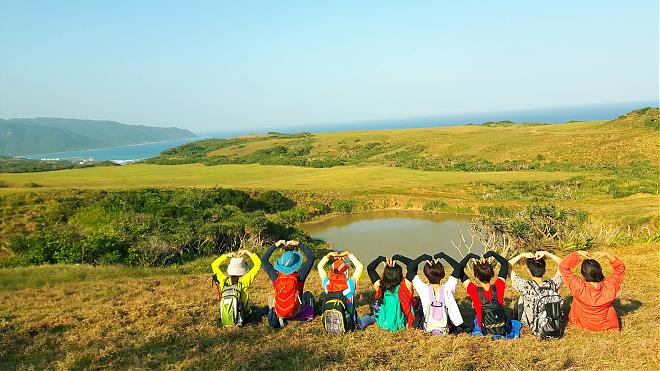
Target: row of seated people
x=434, y=307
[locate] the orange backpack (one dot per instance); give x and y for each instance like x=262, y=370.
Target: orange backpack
x=287, y=296
x=337, y=282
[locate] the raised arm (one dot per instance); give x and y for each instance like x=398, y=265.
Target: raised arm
x=321, y=266
x=371, y=269
x=265, y=260
x=403, y=259
x=359, y=268
x=618, y=269
x=219, y=275
x=545, y=254
x=504, y=264
x=457, y=268
x=513, y=261
x=413, y=266
x=566, y=269
x=256, y=265
x=463, y=277
x=309, y=262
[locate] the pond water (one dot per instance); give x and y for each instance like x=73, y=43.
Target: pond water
x=390, y=232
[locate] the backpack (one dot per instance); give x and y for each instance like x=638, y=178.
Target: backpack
x=336, y=317
x=547, y=315
x=231, y=309
x=493, y=315
x=435, y=320
x=287, y=295
x=390, y=315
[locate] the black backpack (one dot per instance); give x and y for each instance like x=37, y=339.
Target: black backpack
x=547, y=316
x=336, y=318
x=493, y=315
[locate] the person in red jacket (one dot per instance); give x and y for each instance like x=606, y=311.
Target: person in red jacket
x=593, y=294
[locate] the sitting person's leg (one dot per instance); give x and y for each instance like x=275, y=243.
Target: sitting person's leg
x=273, y=319
x=365, y=321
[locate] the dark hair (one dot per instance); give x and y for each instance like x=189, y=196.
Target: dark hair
x=483, y=271
x=536, y=267
x=392, y=277
x=591, y=271
x=434, y=272
x=234, y=279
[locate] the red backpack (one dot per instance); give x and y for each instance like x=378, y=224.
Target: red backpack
x=287, y=296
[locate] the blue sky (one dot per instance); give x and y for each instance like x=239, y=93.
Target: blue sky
x=213, y=66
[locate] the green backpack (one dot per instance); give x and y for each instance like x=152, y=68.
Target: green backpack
x=390, y=315
x=231, y=308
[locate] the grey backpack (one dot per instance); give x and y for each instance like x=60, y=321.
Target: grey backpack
x=547, y=313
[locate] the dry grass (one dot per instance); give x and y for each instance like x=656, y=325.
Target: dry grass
x=169, y=322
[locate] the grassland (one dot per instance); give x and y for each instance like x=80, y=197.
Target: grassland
x=76, y=317
x=168, y=321
x=264, y=177
x=574, y=145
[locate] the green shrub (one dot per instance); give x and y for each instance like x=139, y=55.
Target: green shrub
x=344, y=206
x=435, y=205
x=320, y=208
x=274, y=201
x=495, y=211
x=293, y=216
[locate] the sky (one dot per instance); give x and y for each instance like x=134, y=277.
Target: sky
x=226, y=65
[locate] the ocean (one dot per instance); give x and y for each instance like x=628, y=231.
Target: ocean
x=125, y=154
x=121, y=154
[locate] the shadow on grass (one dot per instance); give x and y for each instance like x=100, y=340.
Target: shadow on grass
x=243, y=349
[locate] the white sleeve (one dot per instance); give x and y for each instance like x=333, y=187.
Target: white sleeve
x=517, y=282
x=421, y=288
x=418, y=284
x=450, y=285
x=452, y=308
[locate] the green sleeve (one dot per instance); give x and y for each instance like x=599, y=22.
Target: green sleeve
x=247, y=278
x=216, y=267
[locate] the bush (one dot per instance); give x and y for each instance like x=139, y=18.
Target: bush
x=149, y=226
x=293, y=216
x=435, y=205
x=320, y=208
x=495, y=211
x=274, y=201
x=534, y=227
x=344, y=206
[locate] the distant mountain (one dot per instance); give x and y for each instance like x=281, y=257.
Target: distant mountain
x=49, y=134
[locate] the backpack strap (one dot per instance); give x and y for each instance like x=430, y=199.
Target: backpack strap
x=535, y=286
x=493, y=296
x=482, y=297
x=431, y=294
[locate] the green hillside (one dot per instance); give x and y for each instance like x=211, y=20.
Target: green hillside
x=44, y=135
x=629, y=139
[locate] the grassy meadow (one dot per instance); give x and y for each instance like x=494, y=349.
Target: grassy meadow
x=213, y=195
x=264, y=177
x=98, y=318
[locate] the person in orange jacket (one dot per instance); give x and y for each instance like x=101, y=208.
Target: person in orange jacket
x=594, y=293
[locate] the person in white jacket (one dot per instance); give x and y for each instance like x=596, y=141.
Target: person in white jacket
x=441, y=313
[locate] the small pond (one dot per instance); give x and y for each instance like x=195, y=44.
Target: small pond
x=390, y=232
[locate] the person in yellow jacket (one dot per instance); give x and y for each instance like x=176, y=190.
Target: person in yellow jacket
x=238, y=273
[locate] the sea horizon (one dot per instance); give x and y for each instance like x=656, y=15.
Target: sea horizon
x=137, y=152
